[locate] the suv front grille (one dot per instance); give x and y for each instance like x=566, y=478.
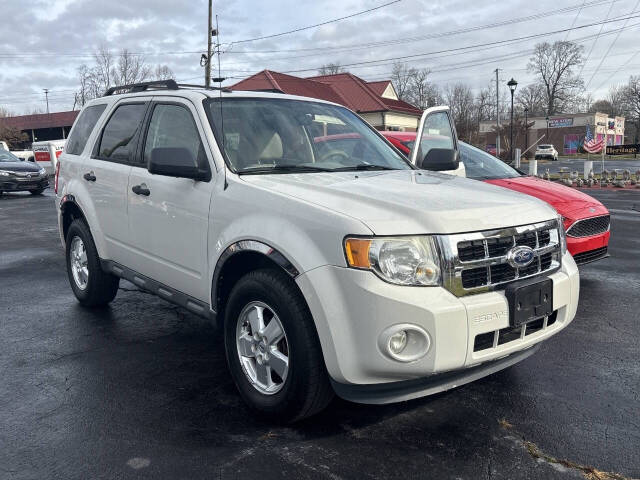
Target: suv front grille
x=589, y=226
x=477, y=261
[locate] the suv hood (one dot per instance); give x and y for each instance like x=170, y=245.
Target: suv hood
x=19, y=167
x=410, y=201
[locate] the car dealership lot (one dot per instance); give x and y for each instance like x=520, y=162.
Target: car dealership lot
x=141, y=389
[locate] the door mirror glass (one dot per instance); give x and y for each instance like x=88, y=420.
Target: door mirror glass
x=174, y=162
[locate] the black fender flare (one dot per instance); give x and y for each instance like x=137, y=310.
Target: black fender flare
x=248, y=246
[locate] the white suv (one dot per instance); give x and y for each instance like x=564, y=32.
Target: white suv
x=546, y=151
x=331, y=262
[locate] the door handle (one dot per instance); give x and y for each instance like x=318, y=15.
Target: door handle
x=89, y=177
x=141, y=190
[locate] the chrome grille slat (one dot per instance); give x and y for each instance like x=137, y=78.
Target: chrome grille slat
x=481, y=272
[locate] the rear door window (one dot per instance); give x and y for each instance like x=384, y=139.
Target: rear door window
x=118, y=137
x=83, y=128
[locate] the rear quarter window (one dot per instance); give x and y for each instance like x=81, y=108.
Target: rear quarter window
x=83, y=128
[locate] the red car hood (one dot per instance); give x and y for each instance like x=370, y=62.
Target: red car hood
x=569, y=202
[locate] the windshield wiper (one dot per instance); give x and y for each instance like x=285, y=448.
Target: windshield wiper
x=284, y=169
x=363, y=166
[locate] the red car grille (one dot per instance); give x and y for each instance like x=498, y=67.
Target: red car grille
x=589, y=226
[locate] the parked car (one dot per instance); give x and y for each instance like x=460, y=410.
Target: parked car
x=586, y=220
x=22, y=154
x=18, y=175
x=546, y=152
x=343, y=270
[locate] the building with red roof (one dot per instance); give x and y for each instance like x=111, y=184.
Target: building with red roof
x=376, y=102
x=42, y=126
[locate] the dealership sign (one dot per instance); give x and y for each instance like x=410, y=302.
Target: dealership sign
x=560, y=122
x=623, y=149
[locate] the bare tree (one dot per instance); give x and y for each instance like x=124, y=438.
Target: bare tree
x=109, y=70
x=461, y=102
x=420, y=91
x=330, y=69
x=632, y=105
x=554, y=65
x=162, y=72
x=532, y=97
x=401, y=77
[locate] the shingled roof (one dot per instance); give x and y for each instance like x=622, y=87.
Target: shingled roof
x=343, y=88
x=40, y=120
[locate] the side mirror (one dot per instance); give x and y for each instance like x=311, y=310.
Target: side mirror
x=176, y=162
x=440, y=159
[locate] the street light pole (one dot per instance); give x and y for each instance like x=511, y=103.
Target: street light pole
x=526, y=131
x=512, y=84
x=547, y=128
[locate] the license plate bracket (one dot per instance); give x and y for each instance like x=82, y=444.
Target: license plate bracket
x=529, y=300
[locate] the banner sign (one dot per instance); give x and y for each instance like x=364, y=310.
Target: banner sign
x=623, y=149
x=560, y=122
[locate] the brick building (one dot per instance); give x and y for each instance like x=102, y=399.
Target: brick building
x=42, y=126
x=565, y=132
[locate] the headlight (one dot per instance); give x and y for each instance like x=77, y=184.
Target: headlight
x=5, y=174
x=398, y=260
x=562, y=234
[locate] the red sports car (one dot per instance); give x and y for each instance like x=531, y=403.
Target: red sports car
x=586, y=220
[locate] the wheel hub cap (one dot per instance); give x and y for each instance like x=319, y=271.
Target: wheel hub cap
x=262, y=348
x=79, y=264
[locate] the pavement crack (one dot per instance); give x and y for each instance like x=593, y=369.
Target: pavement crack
x=590, y=473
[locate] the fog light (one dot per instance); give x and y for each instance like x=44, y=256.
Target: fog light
x=397, y=342
x=404, y=342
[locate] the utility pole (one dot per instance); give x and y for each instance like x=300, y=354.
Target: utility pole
x=497, y=113
x=207, y=67
x=46, y=96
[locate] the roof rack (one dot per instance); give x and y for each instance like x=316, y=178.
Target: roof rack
x=156, y=85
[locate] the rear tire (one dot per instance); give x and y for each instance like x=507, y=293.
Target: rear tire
x=92, y=286
x=305, y=389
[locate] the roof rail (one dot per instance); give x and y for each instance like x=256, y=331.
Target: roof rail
x=156, y=84
x=141, y=87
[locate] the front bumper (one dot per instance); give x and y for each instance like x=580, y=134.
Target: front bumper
x=351, y=308
x=588, y=249
x=15, y=185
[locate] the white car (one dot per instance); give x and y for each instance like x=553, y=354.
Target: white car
x=331, y=266
x=546, y=152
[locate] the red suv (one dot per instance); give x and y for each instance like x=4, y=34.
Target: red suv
x=586, y=220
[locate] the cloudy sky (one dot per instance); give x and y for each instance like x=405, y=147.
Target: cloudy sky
x=42, y=42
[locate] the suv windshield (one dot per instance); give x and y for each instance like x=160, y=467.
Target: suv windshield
x=269, y=135
x=480, y=165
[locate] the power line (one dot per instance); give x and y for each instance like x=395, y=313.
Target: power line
x=575, y=19
x=323, y=50
x=596, y=40
x=617, y=70
x=317, y=24
x=494, y=43
x=610, y=47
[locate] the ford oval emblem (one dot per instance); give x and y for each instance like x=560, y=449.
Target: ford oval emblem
x=520, y=257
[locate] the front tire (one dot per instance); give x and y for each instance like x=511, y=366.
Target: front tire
x=272, y=348
x=92, y=286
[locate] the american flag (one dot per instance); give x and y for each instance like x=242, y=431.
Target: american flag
x=590, y=144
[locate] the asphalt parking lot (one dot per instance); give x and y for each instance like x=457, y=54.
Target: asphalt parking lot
x=141, y=390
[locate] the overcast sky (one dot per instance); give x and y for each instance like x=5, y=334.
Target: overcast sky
x=42, y=42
